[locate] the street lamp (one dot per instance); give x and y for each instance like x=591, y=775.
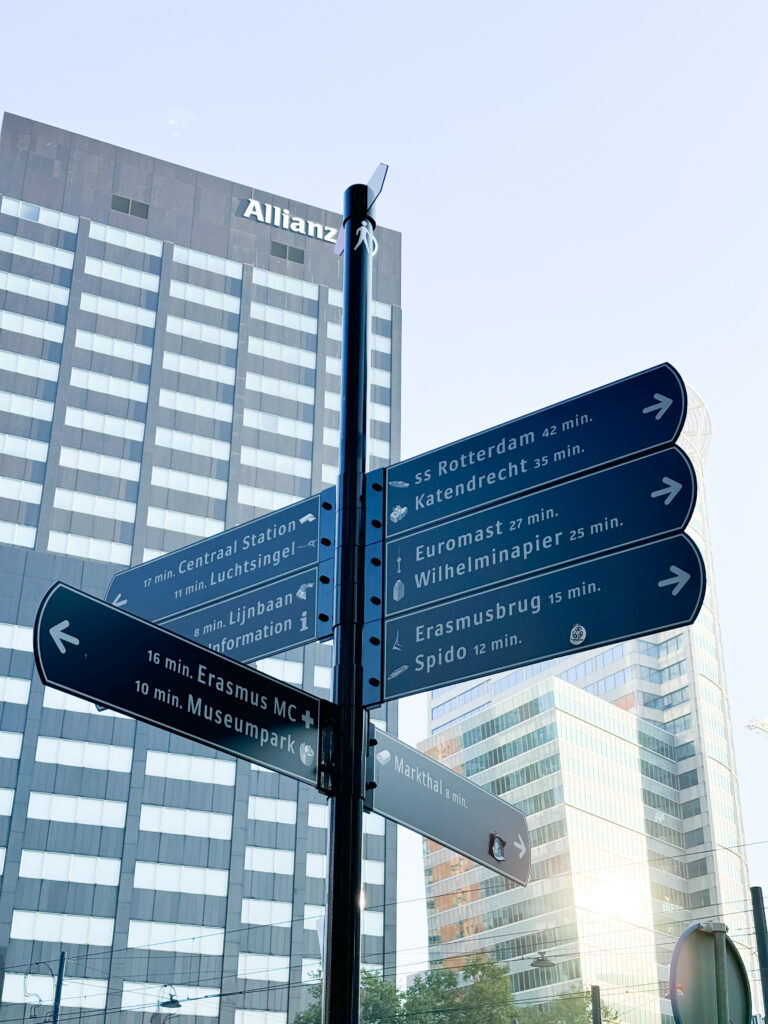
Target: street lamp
x=542, y=960
x=171, y=1003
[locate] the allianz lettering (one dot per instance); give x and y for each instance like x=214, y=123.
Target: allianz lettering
x=266, y=213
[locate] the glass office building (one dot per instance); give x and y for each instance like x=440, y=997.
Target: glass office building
x=170, y=367
x=622, y=760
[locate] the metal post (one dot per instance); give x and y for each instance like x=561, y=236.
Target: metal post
x=721, y=976
x=761, y=933
x=341, y=979
x=596, y=1012
x=59, y=983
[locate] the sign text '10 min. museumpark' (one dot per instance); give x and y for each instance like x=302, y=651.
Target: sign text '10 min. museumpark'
x=561, y=530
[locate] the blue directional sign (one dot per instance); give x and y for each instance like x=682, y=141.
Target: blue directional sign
x=293, y=610
x=89, y=648
x=598, y=601
x=648, y=497
x=228, y=563
x=414, y=790
x=611, y=424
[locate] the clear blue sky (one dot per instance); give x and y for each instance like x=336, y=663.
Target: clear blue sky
x=580, y=187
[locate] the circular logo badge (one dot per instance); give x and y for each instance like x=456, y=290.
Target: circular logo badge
x=307, y=754
x=578, y=635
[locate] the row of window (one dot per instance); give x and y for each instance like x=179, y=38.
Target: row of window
x=33, y=289
x=37, y=251
x=31, y=326
x=39, y=214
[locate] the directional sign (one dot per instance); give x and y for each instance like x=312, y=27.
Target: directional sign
x=693, y=978
x=646, y=498
x=294, y=610
x=630, y=417
x=230, y=562
x=87, y=647
x=426, y=796
x=602, y=600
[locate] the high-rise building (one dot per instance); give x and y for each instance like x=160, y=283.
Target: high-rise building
x=622, y=760
x=170, y=367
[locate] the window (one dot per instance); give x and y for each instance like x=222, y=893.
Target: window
x=180, y=878
x=272, y=424
x=178, y=401
x=379, y=412
x=94, y=505
x=189, y=483
x=69, y=867
x=76, y=810
x=380, y=378
x=204, y=296
x=257, y=497
x=177, y=363
x=381, y=310
x=283, y=353
x=204, y=261
x=31, y=326
x=117, y=310
x=317, y=815
x=115, y=387
x=190, y=768
x=266, y=968
x=335, y=298
x=13, y=489
x=122, y=275
x=373, y=824
x=10, y=745
x=373, y=872
x=329, y=474
x=286, y=252
x=126, y=239
x=373, y=923
x=290, y=285
x=20, y=405
x=333, y=366
x=284, y=318
x=313, y=914
x=90, y=993
x=183, y=522
x=280, y=388
x=103, y=465
x=81, y=754
x=267, y=859
x=131, y=206
x=14, y=690
x=316, y=864
x=276, y=463
x=282, y=668
x=89, y=547
x=169, y=937
x=269, y=912
x=60, y=928
x=201, y=332
x=28, y=366
x=331, y=437
x=113, y=347
x=6, y=802
x=115, y=426
x=37, y=251
x=39, y=214
x=15, y=533
x=380, y=344
x=15, y=638
x=323, y=677
x=195, y=444
x=23, y=448
x=182, y=821
x=262, y=808
x=68, y=702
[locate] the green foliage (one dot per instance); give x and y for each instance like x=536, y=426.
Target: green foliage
x=574, y=1007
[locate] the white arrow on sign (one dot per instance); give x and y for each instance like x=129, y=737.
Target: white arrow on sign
x=677, y=580
x=520, y=846
x=670, y=490
x=662, y=404
x=59, y=636
x=118, y=600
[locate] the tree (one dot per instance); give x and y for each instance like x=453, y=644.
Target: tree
x=487, y=999
x=432, y=998
x=574, y=1007
x=379, y=1001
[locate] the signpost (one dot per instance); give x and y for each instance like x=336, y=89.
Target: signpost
x=89, y=648
x=531, y=540
x=236, y=560
x=422, y=794
x=603, y=600
x=648, y=497
x=611, y=424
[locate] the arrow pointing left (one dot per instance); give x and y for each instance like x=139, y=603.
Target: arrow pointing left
x=59, y=636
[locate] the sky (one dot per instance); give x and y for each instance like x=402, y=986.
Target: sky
x=580, y=188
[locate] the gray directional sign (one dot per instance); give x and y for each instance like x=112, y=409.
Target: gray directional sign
x=89, y=648
x=611, y=508
x=602, y=600
x=236, y=560
x=611, y=424
x=294, y=610
x=426, y=796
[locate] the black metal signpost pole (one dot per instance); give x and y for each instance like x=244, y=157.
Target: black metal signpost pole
x=342, y=945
